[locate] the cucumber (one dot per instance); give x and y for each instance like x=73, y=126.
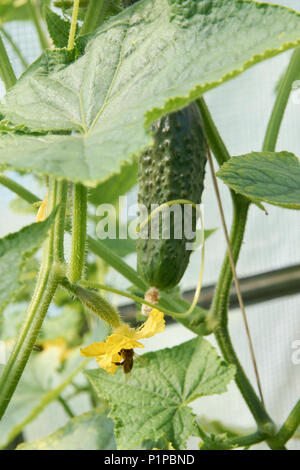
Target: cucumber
x=174, y=168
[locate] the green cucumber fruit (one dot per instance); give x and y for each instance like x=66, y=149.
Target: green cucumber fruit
x=174, y=168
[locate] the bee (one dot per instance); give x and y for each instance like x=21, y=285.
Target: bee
x=127, y=363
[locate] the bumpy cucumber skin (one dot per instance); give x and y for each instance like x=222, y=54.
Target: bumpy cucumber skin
x=174, y=168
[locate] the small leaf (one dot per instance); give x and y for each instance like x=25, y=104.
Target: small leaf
x=153, y=58
x=217, y=442
x=110, y=7
x=267, y=176
x=152, y=403
x=15, y=248
x=117, y=185
x=58, y=28
x=90, y=431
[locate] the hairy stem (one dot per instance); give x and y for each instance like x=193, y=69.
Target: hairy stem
x=7, y=73
x=47, y=282
x=78, y=233
x=59, y=228
x=282, y=98
x=73, y=24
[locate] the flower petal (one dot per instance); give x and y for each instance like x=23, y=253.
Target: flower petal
x=106, y=363
x=94, y=349
x=154, y=324
x=116, y=342
x=125, y=330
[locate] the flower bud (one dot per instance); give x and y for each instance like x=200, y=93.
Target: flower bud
x=98, y=305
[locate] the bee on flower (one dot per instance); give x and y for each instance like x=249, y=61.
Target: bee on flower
x=118, y=349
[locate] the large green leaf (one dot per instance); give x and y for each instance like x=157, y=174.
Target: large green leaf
x=152, y=403
x=91, y=431
x=15, y=248
x=154, y=57
x=267, y=176
x=37, y=380
x=67, y=326
x=43, y=382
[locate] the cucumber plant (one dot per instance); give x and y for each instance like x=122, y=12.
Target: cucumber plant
x=121, y=85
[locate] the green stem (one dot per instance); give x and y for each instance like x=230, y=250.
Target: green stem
x=59, y=228
x=215, y=140
x=218, y=313
x=66, y=407
x=78, y=233
x=259, y=413
x=239, y=441
x=19, y=190
x=283, y=94
x=288, y=428
x=15, y=47
x=94, y=16
x=7, y=73
x=37, y=20
x=135, y=298
x=218, y=316
x=72, y=34
x=48, y=279
x=249, y=440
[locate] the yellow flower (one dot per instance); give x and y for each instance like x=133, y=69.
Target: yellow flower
x=108, y=353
